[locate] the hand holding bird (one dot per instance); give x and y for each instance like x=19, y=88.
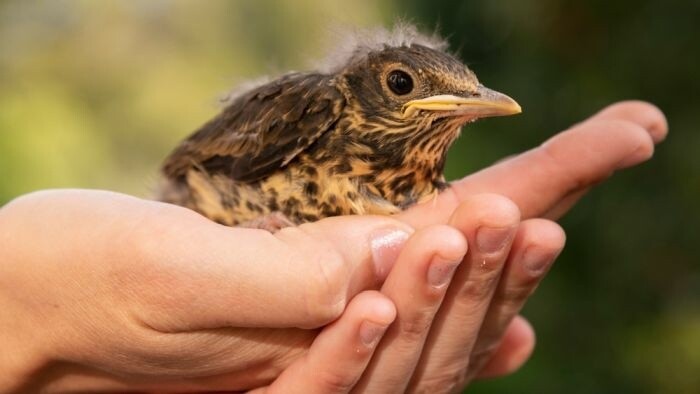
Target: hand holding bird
x=71, y=327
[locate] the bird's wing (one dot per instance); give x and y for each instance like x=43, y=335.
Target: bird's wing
x=262, y=130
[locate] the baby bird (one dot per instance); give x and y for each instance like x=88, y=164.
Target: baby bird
x=368, y=135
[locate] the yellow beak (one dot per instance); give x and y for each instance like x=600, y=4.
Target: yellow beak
x=483, y=103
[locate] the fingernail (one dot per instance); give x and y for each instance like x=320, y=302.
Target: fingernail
x=493, y=239
x=370, y=333
x=441, y=271
x=386, y=245
x=536, y=260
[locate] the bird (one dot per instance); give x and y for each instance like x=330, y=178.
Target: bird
x=366, y=133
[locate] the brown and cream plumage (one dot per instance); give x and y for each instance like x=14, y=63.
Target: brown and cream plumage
x=367, y=136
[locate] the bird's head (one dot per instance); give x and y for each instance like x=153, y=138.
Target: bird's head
x=410, y=91
x=409, y=83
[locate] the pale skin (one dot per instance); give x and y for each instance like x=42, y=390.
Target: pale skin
x=110, y=292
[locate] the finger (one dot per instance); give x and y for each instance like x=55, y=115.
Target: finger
x=197, y=274
x=536, y=246
x=341, y=352
x=558, y=209
x=620, y=136
x=514, y=350
x=489, y=222
x=417, y=286
x=642, y=113
x=566, y=164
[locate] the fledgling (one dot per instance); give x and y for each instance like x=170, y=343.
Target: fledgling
x=367, y=135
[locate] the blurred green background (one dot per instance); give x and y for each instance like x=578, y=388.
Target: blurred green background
x=95, y=94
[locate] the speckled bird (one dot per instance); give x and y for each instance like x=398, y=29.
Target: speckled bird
x=366, y=134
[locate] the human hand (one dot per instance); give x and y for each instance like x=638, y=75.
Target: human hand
x=418, y=284
x=101, y=291
x=420, y=281
x=445, y=336
x=110, y=292
x=517, y=339
x=336, y=362
x=543, y=182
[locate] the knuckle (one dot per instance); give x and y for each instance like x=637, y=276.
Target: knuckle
x=326, y=291
x=153, y=219
x=557, y=171
x=512, y=298
x=337, y=381
x=415, y=327
x=478, y=288
x=451, y=380
x=483, y=350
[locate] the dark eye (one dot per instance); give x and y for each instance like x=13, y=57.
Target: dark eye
x=399, y=82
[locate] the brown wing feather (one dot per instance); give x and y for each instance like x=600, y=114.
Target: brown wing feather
x=262, y=130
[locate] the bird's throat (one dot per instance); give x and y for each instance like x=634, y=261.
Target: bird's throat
x=408, y=170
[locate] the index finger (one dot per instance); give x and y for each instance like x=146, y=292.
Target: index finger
x=618, y=137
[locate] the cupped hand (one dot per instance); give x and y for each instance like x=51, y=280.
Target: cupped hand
x=544, y=182
x=111, y=292
x=460, y=321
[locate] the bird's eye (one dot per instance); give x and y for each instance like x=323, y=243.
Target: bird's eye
x=399, y=82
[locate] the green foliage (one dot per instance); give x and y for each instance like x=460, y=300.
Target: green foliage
x=94, y=94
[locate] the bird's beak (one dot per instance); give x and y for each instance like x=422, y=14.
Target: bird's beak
x=482, y=103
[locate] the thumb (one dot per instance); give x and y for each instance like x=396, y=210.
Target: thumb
x=212, y=276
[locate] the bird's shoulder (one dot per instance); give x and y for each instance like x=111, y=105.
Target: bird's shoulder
x=262, y=129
